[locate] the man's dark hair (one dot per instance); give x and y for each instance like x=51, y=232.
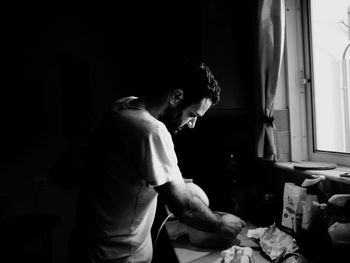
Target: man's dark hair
x=194, y=78
x=198, y=82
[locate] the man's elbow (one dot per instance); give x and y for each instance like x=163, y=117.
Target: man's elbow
x=181, y=211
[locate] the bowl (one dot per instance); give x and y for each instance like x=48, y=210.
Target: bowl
x=204, y=239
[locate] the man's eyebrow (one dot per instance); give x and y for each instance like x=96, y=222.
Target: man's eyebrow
x=196, y=114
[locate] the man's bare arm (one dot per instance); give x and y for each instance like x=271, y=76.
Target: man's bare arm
x=193, y=211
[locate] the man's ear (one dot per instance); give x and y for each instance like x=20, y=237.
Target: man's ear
x=176, y=97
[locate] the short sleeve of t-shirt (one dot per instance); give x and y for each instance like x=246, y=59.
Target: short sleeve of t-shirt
x=160, y=163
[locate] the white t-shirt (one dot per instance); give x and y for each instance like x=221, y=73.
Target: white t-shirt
x=133, y=153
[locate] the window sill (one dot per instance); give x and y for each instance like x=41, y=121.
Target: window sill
x=333, y=174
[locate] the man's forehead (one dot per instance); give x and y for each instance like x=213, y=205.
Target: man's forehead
x=200, y=108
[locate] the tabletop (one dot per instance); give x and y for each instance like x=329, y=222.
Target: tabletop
x=188, y=253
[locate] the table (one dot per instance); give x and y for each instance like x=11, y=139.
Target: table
x=188, y=253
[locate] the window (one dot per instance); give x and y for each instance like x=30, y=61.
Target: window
x=317, y=55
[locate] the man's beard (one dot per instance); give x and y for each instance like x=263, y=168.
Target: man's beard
x=172, y=119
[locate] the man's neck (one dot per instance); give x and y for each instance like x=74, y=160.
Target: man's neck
x=154, y=107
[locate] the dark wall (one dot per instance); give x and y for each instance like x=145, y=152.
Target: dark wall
x=227, y=45
x=227, y=129
x=102, y=44
x=204, y=154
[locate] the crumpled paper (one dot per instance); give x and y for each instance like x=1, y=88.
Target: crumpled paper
x=273, y=241
x=236, y=254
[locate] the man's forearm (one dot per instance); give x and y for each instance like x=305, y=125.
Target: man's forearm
x=198, y=215
x=193, y=211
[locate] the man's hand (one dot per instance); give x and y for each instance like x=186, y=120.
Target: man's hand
x=231, y=226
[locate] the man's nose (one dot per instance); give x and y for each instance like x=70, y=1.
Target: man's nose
x=191, y=123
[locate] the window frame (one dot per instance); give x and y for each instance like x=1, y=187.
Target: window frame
x=300, y=87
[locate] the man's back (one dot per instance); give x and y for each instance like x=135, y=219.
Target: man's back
x=118, y=203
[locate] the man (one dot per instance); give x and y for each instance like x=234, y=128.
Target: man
x=132, y=160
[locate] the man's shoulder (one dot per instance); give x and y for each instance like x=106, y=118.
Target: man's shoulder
x=151, y=126
x=136, y=118
x=121, y=103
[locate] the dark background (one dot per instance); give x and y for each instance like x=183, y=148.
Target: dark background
x=66, y=61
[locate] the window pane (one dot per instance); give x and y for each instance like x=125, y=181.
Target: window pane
x=331, y=74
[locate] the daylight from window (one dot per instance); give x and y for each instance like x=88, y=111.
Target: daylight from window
x=330, y=21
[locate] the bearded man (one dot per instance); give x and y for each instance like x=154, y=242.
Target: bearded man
x=132, y=160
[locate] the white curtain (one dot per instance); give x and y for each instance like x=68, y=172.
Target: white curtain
x=270, y=46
